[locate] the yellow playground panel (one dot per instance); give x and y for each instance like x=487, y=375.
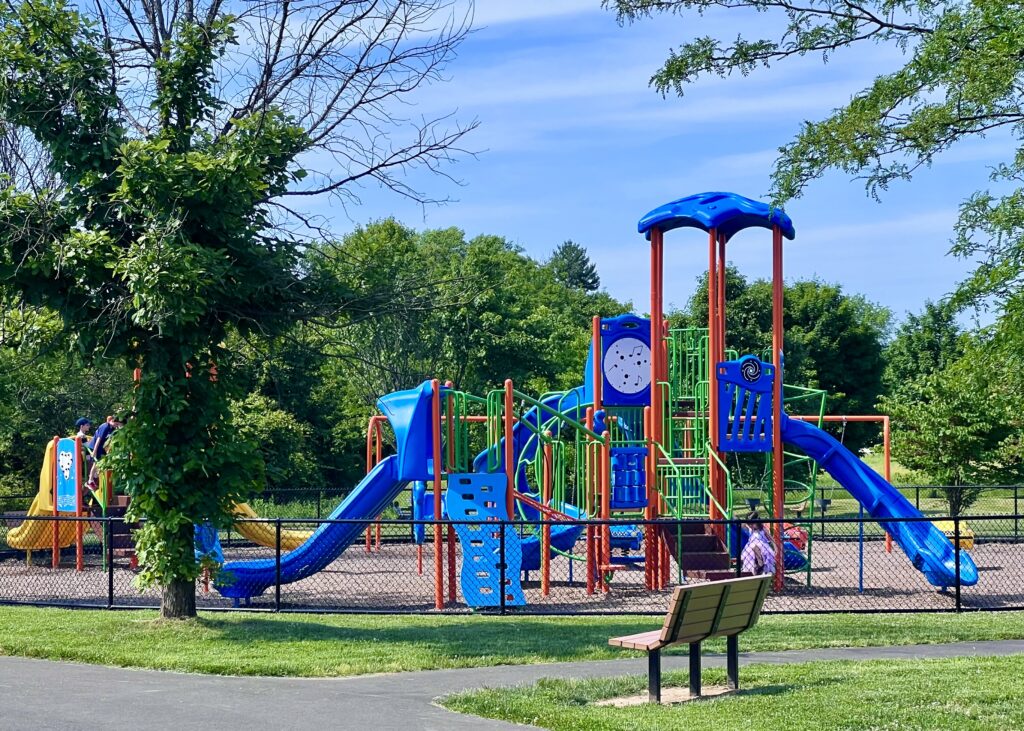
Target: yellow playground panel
x=966, y=534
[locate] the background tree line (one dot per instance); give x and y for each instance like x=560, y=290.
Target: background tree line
x=432, y=303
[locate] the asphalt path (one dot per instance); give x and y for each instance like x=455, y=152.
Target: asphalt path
x=43, y=694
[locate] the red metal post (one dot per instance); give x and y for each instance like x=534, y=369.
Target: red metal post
x=55, y=559
x=590, y=499
x=79, y=547
x=650, y=535
x=713, y=350
x=435, y=428
x=720, y=356
x=888, y=471
x=778, y=456
x=606, y=506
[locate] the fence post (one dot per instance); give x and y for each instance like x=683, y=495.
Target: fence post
x=502, y=565
x=108, y=539
x=736, y=534
x=956, y=551
x=1016, y=512
x=917, y=497
x=277, y=565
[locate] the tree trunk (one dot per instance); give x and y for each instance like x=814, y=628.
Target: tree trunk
x=178, y=600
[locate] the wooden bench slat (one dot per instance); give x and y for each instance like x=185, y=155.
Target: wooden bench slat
x=640, y=641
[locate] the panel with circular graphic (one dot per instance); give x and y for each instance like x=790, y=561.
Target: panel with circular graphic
x=626, y=360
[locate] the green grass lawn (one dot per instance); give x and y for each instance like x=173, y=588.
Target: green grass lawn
x=960, y=693
x=335, y=645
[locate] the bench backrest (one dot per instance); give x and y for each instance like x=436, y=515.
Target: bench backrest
x=714, y=609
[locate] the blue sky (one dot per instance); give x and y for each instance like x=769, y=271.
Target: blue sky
x=575, y=144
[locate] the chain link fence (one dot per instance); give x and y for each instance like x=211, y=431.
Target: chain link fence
x=833, y=564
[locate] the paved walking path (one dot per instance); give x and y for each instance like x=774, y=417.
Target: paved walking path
x=41, y=694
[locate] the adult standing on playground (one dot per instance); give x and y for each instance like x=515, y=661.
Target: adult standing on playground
x=100, y=442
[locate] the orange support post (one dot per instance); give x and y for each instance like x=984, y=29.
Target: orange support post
x=590, y=500
x=510, y=500
x=713, y=350
x=55, y=558
x=649, y=532
x=720, y=356
x=778, y=456
x=606, y=506
x=79, y=544
x=545, y=555
x=419, y=559
x=888, y=471
x=435, y=427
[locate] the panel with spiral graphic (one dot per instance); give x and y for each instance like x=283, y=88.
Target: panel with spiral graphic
x=480, y=497
x=745, y=389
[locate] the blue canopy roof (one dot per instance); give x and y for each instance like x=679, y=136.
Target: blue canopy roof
x=728, y=213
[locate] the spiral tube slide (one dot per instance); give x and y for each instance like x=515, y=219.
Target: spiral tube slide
x=928, y=548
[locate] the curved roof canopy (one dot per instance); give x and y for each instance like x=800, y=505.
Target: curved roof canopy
x=728, y=213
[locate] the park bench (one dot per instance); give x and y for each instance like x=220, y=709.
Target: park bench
x=696, y=613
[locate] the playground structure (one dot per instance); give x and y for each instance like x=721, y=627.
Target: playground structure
x=644, y=439
x=621, y=473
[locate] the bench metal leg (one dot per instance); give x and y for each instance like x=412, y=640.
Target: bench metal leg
x=654, y=676
x=732, y=662
x=695, y=670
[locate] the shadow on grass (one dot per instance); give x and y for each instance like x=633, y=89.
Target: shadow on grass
x=454, y=637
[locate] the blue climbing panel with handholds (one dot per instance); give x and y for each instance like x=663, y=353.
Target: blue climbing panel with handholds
x=629, y=483
x=479, y=499
x=745, y=390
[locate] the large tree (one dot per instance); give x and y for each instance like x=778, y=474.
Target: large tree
x=959, y=75
x=158, y=149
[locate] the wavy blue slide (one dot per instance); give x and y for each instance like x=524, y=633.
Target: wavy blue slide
x=926, y=546
x=245, y=579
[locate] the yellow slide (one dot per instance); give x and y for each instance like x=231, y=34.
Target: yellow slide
x=34, y=535
x=264, y=533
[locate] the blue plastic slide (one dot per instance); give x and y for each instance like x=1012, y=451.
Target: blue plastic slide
x=244, y=579
x=926, y=546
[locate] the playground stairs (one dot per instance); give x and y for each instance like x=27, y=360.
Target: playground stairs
x=121, y=531
x=704, y=555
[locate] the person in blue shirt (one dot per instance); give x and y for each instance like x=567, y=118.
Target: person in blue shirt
x=99, y=444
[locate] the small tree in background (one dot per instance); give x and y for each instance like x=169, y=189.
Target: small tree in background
x=572, y=267
x=957, y=427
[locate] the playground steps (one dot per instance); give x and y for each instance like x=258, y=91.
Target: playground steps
x=701, y=550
